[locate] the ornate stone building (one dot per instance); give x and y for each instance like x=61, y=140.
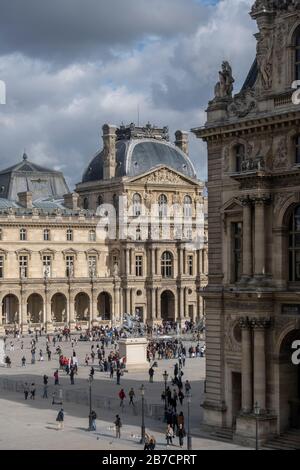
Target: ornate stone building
x=87, y=257
x=252, y=298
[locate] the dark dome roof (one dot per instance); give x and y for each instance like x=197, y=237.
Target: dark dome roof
x=137, y=156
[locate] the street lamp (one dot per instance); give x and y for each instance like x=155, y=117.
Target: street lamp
x=143, y=432
x=90, y=402
x=189, y=437
x=257, y=413
x=165, y=377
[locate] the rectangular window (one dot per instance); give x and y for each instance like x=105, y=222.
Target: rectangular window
x=69, y=235
x=46, y=235
x=47, y=264
x=139, y=266
x=92, y=265
x=69, y=266
x=23, y=266
x=1, y=234
x=237, y=237
x=297, y=148
x=23, y=235
x=1, y=267
x=191, y=265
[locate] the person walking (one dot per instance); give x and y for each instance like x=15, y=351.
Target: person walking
x=181, y=397
x=56, y=378
x=60, y=420
x=23, y=361
x=131, y=396
x=118, y=375
x=118, y=425
x=180, y=420
x=181, y=435
x=122, y=397
x=169, y=435
x=187, y=387
x=26, y=390
x=45, y=382
x=151, y=374
x=94, y=417
x=32, y=391
x=72, y=372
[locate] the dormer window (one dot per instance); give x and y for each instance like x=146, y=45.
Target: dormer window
x=239, y=157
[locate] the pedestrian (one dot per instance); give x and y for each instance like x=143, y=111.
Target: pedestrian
x=49, y=354
x=45, y=382
x=152, y=443
x=26, y=390
x=92, y=373
x=151, y=374
x=118, y=375
x=56, y=378
x=23, y=361
x=93, y=418
x=147, y=441
x=118, y=425
x=181, y=397
x=60, y=419
x=72, y=372
x=41, y=356
x=180, y=420
x=187, y=387
x=32, y=391
x=181, y=435
x=131, y=396
x=169, y=435
x=122, y=397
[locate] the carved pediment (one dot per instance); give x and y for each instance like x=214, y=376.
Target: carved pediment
x=163, y=176
x=234, y=205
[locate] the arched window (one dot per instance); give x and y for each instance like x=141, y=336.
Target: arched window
x=99, y=200
x=167, y=264
x=239, y=152
x=294, y=245
x=297, y=149
x=85, y=203
x=137, y=203
x=187, y=207
x=297, y=53
x=163, y=205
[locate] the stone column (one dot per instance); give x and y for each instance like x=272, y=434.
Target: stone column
x=199, y=262
x=153, y=263
x=158, y=304
x=247, y=239
x=93, y=312
x=184, y=261
x=260, y=237
x=181, y=313
x=153, y=304
x=23, y=312
x=157, y=261
x=127, y=269
x=247, y=403
x=71, y=309
x=259, y=376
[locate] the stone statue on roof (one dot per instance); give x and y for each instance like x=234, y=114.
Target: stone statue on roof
x=224, y=87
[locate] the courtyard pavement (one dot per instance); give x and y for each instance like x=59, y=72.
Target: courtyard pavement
x=31, y=424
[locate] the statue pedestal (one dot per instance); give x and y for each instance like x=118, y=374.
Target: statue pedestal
x=2, y=353
x=135, y=352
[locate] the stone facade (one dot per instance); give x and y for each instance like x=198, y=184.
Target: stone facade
x=252, y=304
x=60, y=265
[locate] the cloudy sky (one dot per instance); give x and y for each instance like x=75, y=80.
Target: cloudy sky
x=72, y=65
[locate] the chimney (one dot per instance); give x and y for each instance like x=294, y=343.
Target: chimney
x=182, y=141
x=109, y=141
x=25, y=199
x=71, y=201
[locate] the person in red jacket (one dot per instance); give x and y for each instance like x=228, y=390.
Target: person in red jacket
x=122, y=397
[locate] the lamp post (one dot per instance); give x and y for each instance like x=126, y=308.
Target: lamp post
x=189, y=437
x=165, y=377
x=142, y=441
x=90, y=402
x=257, y=413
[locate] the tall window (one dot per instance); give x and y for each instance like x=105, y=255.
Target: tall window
x=46, y=235
x=239, y=157
x=23, y=266
x=100, y=200
x=187, y=208
x=294, y=246
x=85, y=203
x=92, y=265
x=69, y=266
x=137, y=205
x=23, y=234
x=47, y=265
x=191, y=265
x=297, y=149
x=1, y=234
x=139, y=266
x=163, y=205
x=69, y=235
x=92, y=236
x=1, y=267
x=297, y=54
x=167, y=264
x=237, y=237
